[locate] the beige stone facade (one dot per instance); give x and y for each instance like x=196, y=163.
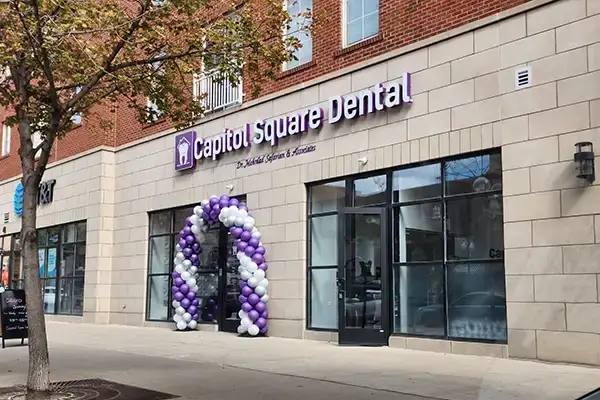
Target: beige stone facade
x=465, y=100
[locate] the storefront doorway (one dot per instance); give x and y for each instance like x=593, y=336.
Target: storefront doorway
x=362, y=291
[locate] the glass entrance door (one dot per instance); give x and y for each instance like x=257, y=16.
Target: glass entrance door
x=229, y=280
x=363, y=302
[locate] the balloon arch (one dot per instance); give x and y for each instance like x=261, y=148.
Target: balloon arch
x=250, y=251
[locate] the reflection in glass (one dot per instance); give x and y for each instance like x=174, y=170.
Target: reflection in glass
x=418, y=183
x=363, y=272
x=327, y=197
x=42, y=237
x=323, y=298
x=209, y=258
x=232, y=288
x=160, y=259
x=69, y=233
x=160, y=223
x=78, y=296
x=49, y=286
x=81, y=231
x=370, y=191
x=180, y=217
x=324, y=241
x=158, y=294
x=418, y=234
x=67, y=262
x=474, y=174
x=80, y=259
x=474, y=228
x=419, y=300
x=66, y=296
x=208, y=297
x=477, y=301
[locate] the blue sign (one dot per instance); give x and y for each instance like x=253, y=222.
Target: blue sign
x=18, y=200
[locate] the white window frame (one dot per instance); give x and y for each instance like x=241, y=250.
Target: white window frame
x=345, y=24
x=6, y=137
x=286, y=65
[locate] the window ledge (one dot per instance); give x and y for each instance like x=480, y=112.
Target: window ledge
x=3, y=157
x=359, y=45
x=297, y=69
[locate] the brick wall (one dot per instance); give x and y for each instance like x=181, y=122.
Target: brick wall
x=401, y=22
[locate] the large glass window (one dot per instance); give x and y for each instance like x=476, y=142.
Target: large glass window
x=300, y=12
x=447, y=247
x=361, y=20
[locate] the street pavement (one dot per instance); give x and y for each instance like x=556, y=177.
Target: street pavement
x=219, y=366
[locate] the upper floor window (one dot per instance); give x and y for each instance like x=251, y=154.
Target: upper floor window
x=5, y=140
x=76, y=118
x=300, y=12
x=36, y=140
x=361, y=20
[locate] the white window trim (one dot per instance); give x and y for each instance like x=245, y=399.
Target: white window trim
x=285, y=67
x=345, y=26
x=6, y=138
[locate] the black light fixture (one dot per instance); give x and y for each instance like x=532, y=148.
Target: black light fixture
x=584, y=157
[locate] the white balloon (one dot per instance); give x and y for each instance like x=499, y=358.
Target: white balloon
x=186, y=275
x=225, y=212
x=253, y=282
x=193, y=269
x=181, y=325
x=179, y=269
x=245, y=261
x=264, y=283
x=265, y=298
x=198, y=211
x=177, y=318
x=233, y=210
x=248, y=227
x=239, y=221
x=194, y=219
x=241, y=269
x=256, y=235
x=242, y=329
x=192, y=324
x=177, y=261
x=222, y=218
x=252, y=267
x=230, y=220
x=242, y=314
x=249, y=220
x=180, y=311
x=186, y=263
x=245, y=275
x=205, y=228
x=204, y=202
x=196, y=229
x=247, y=322
x=178, y=247
x=194, y=288
x=201, y=238
x=191, y=282
x=259, y=290
x=239, y=255
x=180, y=256
x=259, y=274
x=243, y=213
x=253, y=330
x=201, y=222
x=187, y=317
x=175, y=304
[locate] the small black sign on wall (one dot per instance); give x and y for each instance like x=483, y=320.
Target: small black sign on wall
x=6, y=218
x=13, y=311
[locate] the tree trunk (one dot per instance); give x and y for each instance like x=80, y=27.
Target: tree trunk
x=38, y=378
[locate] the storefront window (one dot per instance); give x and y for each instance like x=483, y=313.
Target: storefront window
x=447, y=247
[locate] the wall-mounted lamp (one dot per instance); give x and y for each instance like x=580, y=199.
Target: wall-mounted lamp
x=363, y=160
x=229, y=187
x=584, y=157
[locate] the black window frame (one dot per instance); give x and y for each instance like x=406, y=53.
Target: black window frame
x=391, y=206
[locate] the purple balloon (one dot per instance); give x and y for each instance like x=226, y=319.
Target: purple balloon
x=182, y=234
x=242, y=299
x=192, y=309
x=260, y=322
x=246, y=236
x=243, y=284
x=191, y=295
x=249, y=250
x=234, y=202
x=246, y=307
x=258, y=258
x=195, y=302
x=184, y=289
x=175, y=275
x=216, y=208
x=243, y=207
x=264, y=330
x=178, y=282
x=213, y=216
x=185, y=303
x=247, y=291
x=178, y=296
x=182, y=243
x=190, y=239
x=260, y=307
x=213, y=201
x=263, y=266
x=193, y=258
x=260, y=250
x=265, y=315
x=205, y=215
x=237, y=232
x=174, y=289
x=242, y=246
x=223, y=203
x=196, y=247
x=196, y=263
x=253, y=299
x=188, y=222
x=187, y=230
x=224, y=197
x=187, y=252
x=253, y=315
x=253, y=242
x=195, y=317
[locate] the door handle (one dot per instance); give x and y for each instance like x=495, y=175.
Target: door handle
x=341, y=284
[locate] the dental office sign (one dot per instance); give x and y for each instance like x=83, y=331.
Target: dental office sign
x=189, y=148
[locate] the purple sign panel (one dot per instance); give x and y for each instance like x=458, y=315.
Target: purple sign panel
x=184, y=151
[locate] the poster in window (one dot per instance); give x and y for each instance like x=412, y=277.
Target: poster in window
x=42, y=261
x=51, y=263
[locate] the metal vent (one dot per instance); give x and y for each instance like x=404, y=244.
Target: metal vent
x=523, y=78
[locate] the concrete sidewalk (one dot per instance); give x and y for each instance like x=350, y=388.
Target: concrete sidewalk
x=217, y=366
